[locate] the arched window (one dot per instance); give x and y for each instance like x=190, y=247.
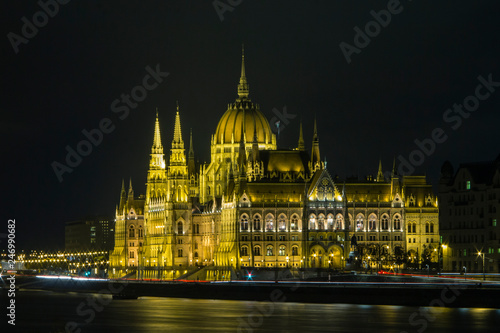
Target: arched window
x=244, y=222
x=196, y=254
x=179, y=252
x=244, y=251
x=256, y=251
x=269, y=222
x=256, y=222
x=269, y=250
x=372, y=222
x=312, y=222
x=385, y=222
x=427, y=228
x=131, y=231
x=140, y=232
x=339, y=225
x=295, y=250
x=294, y=223
x=409, y=227
x=282, y=250
x=359, y=222
x=414, y=228
x=329, y=221
x=432, y=227
x=282, y=222
x=321, y=222
x=179, y=228
x=397, y=222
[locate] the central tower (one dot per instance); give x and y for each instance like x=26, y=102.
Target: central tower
x=242, y=123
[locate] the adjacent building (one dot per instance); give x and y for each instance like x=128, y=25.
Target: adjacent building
x=469, y=215
x=92, y=233
x=255, y=205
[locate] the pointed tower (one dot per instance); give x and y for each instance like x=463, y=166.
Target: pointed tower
x=156, y=179
x=130, y=191
x=123, y=198
x=177, y=169
x=380, y=174
x=243, y=88
x=191, y=161
x=301, y=145
x=315, y=163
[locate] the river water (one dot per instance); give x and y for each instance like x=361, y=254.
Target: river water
x=44, y=311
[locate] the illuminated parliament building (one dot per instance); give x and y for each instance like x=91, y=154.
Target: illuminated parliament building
x=257, y=206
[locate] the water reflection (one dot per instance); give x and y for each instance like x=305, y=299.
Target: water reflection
x=49, y=312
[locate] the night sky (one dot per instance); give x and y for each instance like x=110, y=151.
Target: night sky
x=395, y=90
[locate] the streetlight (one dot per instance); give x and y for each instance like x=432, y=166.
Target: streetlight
x=444, y=246
x=287, y=258
x=482, y=254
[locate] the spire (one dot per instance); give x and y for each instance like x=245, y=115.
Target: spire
x=191, y=149
x=255, y=147
x=123, y=197
x=243, y=90
x=177, y=129
x=130, y=190
x=301, y=145
x=380, y=174
x=315, y=155
x=394, y=173
x=157, y=138
x=191, y=163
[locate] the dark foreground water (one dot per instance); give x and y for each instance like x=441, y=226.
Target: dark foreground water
x=42, y=311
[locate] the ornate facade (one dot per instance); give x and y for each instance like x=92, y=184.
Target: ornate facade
x=255, y=205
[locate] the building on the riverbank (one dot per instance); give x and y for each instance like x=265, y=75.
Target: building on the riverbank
x=470, y=215
x=94, y=233
x=255, y=205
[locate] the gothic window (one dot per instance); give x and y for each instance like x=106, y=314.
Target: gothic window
x=339, y=225
x=329, y=221
x=269, y=222
x=321, y=222
x=397, y=222
x=359, y=222
x=140, y=232
x=385, y=222
x=282, y=222
x=256, y=222
x=294, y=224
x=132, y=254
x=131, y=231
x=295, y=251
x=256, y=251
x=312, y=222
x=196, y=254
x=427, y=228
x=179, y=253
x=179, y=228
x=372, y=222
x=269, y=250
x=244, y=222
x=244, y=251
x=282, y=250
x=432, y=228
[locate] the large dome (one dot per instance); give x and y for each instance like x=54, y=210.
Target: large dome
x=243, y=115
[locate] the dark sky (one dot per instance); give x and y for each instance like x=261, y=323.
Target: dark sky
x=395, y=90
